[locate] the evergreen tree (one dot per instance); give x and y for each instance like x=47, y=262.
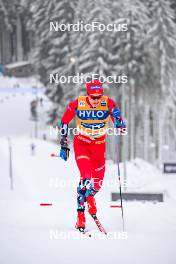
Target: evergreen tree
x=162, y=37
x=51, y=47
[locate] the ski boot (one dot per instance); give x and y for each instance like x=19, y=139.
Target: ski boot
x=81, y=221
x=91, y=204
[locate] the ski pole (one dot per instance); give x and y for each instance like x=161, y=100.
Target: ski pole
x=118, y=166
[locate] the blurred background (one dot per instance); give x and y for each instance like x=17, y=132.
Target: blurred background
x=30, y=107
x=146, y=53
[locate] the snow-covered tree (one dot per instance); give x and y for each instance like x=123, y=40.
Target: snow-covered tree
x=51, y=47
x=145, y=53
x=92, y=49
x=132, y=60
x=162, y=35
x=11, y=30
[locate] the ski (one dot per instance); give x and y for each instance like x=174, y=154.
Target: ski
x=99, y=225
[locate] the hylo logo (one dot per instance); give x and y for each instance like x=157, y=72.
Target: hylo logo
x=92, y=114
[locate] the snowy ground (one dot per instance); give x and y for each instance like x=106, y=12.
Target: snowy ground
x=33, y=234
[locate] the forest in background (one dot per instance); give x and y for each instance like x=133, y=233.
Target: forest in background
x=146, y=53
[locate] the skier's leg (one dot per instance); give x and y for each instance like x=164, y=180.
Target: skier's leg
x=82, y=157
x=98, y=170
x=83, y=190
x=98, y=164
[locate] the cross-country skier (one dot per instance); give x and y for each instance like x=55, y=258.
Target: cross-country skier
x=92, y=114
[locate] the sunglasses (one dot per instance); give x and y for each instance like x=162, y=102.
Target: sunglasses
x=95, y=97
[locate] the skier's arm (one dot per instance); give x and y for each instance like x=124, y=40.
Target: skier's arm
x=115, y=114
x=70, y=112
x=65, y=120
x=68, y=116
